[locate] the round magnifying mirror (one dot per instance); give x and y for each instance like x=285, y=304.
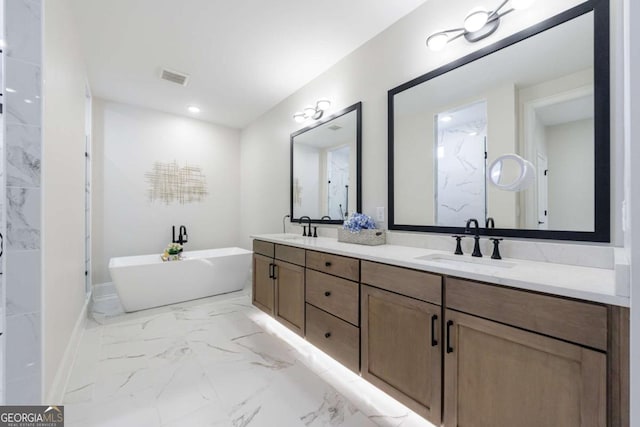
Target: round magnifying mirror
x=511, y=172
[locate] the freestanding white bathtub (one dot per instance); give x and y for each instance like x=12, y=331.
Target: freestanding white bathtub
x=146, y=281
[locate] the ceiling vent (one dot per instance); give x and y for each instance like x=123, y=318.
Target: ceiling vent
x=335, y=127
x=174, y=76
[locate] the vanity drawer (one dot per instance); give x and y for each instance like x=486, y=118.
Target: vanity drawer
x=263, y=248
x=290, y=254
x=337, y=265
x=575, y=321
x=338, y=296
x=337, y=338
x=412, y=283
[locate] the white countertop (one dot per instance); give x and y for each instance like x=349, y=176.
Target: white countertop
x=591, y=284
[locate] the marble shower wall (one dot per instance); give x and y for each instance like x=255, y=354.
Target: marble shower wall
x=23, y=154
x=460, y=165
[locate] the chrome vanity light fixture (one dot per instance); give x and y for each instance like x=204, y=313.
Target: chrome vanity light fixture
x=478, y=24
x=311, y=112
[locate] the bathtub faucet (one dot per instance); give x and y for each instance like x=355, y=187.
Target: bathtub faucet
x=182, y=236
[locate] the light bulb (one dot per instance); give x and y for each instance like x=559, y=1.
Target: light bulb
x=437, y=41
x=521, y=4
x=299, y=117
x=309, y=111
x=476, y=20
x=193, y=109
x=323, y=104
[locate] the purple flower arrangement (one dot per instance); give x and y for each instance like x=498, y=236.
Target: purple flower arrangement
x=358, y=221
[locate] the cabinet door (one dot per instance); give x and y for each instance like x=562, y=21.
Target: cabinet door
x=401, y=349
x=289, y=308
x=497, y=375
x=263, y=286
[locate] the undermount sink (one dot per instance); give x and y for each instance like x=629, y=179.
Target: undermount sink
x=462, y=260
x=292, y=237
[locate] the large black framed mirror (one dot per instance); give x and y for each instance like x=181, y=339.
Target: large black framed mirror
x=326, y=168
x=517, y=132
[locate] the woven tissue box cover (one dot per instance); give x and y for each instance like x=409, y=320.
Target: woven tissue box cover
x=371, y=237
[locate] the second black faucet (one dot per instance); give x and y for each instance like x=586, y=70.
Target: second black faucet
x=476, y=237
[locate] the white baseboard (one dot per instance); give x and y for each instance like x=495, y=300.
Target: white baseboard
x=56, y=393
x=101, y=290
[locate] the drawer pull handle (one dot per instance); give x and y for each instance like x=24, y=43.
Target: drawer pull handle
x=327, y=294
x=449, y=348
x=434, y=341
x=327, y=264
x=327, y=335
x=271, y=271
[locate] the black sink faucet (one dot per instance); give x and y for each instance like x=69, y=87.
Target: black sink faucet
x=490, y=223
x=476, y=238
x=182, y=235
x=304, y=227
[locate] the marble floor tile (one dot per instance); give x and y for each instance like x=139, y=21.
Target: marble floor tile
x=215, y=362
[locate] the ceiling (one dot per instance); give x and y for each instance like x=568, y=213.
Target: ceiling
x=340, y=130
x=243, y=56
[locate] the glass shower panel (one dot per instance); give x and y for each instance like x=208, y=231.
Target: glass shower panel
x=460, y=162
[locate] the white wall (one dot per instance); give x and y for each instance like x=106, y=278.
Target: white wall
x=127, y=141
x=571, y=175
x=414, y=150
x=395, y=56
x=632, y=189
x=63, y=185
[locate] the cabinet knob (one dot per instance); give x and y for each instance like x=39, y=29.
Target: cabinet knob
x=327, y=264
x=327, y=335
x=327, y=294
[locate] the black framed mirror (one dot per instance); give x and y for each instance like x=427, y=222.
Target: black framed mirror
x=531, y=110
x=326, y=168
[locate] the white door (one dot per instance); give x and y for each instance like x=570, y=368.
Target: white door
x=543, y=192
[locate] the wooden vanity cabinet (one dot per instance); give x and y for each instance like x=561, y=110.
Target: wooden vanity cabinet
x=263, y=285
x=278, y=283
x=401, y=336
x=289, y=287
x=332, y=297
x=540, y=373
x=497, y=375
x=457, y=352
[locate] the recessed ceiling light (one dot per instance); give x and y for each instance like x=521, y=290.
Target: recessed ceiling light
x=10, y=90
x=28, y=101
x=193, y=109
x=446, y=118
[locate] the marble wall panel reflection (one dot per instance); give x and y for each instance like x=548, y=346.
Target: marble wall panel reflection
x=23, y=92
x=23, y=156
x=24, y=29
x=23, y=218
